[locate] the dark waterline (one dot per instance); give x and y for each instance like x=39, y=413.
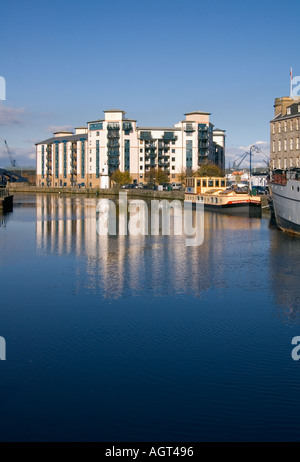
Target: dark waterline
x=143, y=338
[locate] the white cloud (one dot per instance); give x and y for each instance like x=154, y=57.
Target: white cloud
x=10, y=115
x=23, y=156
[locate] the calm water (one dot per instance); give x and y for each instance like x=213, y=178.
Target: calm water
x=143, y=338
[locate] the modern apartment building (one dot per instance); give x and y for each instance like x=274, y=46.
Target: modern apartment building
x=88, y=156
x=285, y=134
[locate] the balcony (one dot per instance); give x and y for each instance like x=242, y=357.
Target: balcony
x=113, y=126
x=163, y=146
x=189, y=128
x=145, y=136
x=113, y=145
x=127, y=126
x=202, y=144
x=169, y=136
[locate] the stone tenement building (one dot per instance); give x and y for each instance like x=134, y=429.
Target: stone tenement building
x=285, y=134
x=86, y=158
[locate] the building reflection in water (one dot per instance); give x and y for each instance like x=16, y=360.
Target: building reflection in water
x=285, y=270
x=2, y=220
x=119, y=265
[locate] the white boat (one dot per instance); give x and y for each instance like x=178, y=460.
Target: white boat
x=285, y=191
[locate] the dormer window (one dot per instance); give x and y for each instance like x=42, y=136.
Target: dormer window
x=288, y=111
x=299, y=108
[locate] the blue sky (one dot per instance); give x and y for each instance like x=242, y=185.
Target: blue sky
x=66, y=62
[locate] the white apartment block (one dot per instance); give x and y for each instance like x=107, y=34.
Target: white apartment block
x=87, y=157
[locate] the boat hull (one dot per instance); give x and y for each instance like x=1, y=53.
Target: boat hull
x=242, y=209
x=286, y=202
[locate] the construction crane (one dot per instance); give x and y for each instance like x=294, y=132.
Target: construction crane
x=236, y=164
x=13, y=162
x=253, y=148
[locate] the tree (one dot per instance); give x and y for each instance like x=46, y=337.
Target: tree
x=184, y=174
x=157, y=176
x=121, y=178
x=209, y=170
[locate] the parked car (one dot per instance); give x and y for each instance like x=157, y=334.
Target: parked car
x=261, y=190
x=128, y=186
x=176, y=186
x=167, y=186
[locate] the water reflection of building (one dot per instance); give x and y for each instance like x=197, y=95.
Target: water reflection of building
x=285, y=268
x=117, y=265
x=2, y=221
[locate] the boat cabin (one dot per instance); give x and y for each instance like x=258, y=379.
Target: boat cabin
x=202, y=185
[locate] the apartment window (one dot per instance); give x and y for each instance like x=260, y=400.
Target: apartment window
x=141, y=150
x=279, y=145
x=284, y=163
x=127, y=155
x=285, y=145
x=285, y=126
x=279, y=163
x=98, y=133
x=173, y=158
x=141, y=159
x=297, y=124
x=291, y=162
x=189, y=154
x=273, y=164
x=291, y=125
x=273, y=129
x=173, y=142
x=43, y=162
x=273, y=146
x=97, y=159
x=288, y=111
x=141, y=167
x=297, y=143
x=279, y=127
x=291, y=144
x=173, y=151
x=173, y=167
x=299, y=108
x=297, y=162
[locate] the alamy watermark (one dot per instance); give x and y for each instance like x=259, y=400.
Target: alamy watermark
x=295, y=86
x=2, y=89
x=2, y=349
x=164, y=217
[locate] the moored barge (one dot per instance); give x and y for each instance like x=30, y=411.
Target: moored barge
x=215, y=196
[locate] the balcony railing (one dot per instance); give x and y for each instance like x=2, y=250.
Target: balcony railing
x=145, y=136
x=189, y=128
x=113, y=145
x=169, y=136
x=113, y=135
x=127, y=126
x=113, y=126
